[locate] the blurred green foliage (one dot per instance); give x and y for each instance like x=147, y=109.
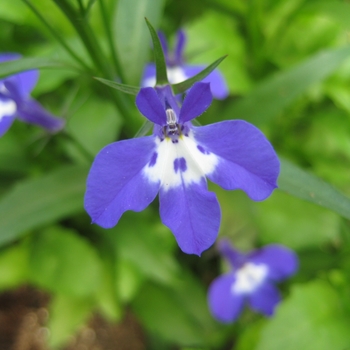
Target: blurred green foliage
x=288, y=72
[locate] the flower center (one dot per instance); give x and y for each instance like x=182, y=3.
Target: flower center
x=248, y=278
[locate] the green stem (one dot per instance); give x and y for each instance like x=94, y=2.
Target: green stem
x=86, y=35
x=107, y=26
x=124, y=105
x=56, y=35
x=89, y=157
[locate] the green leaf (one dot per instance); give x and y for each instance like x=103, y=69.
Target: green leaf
x=311, y=318
x=63, y=262
x=161, y=73
x=185, y=85
x=128, y=89
x=274, y=94
x=304, y=185
x=178, y=314
x=14, y=266
x=67, y=314
x=36, y=202
x=295, y=223
x=23, y=64
x=132, y=38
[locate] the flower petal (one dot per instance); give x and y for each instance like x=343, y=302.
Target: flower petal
x=193, y=215
x=217, y=81
x=7, y=113
x=25, y=81
x=32, y=112
x=196, y=102
x=281, y=261
x=247, y=160
x=117, y=183
x=233, y=256
x=5, y=124
x=149, y=76
x=224, y=305
x=264, y=299
x=150, y=106
x=180, y=46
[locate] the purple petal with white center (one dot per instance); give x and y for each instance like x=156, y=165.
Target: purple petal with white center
x=233, y=256
x=32, y=112
x=196, y=102
x=149, y=76
x=217, y=81
x=224, y=305
x=25, y=81
x=265, y=299
x=247, y=160
x=149, y=104
x=180, y=46
x=280, y=261
x=116, y=182
x=192, y=213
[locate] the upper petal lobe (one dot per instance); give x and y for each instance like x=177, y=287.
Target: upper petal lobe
x=280, y=261
x=247, y=160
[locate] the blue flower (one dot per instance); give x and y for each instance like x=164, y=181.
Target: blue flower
x=175, y=161
x=251, y=281
x=15, y=101
x=179, y=71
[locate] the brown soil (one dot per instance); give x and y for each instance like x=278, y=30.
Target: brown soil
x=24, y=314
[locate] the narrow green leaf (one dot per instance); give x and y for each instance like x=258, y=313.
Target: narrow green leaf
x=274, y=94
x=36, y=202
x=304, y=185
x=128, y=89
x=161, y=74
x=131, y=37
x=28, y=63
x=185, y=85
x=145, y=128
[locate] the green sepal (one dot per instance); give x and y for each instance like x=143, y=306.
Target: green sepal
x=185, y=85
x=161, y=75
x=145, y=128
x=128, y=89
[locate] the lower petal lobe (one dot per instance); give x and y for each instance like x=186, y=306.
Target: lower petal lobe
x=265, y=299
x=224, y=305
x=247, y=160
x=193, y=215
x=116, y=182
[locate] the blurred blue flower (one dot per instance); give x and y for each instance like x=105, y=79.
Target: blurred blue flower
x=15, y=101
x=251, y=281
x=174, y=161
x=179, y=71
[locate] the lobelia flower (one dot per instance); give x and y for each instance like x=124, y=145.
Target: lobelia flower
x=15, y=101
x=251, y=281
x=174, y=161
x=178, y=70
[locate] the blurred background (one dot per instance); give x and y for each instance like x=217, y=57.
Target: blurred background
x=67, y=284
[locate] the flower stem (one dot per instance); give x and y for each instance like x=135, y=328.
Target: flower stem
x=56, y=35
x=108, y=31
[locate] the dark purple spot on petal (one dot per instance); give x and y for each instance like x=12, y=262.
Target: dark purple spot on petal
x=180, y=165
x=153, y=159
x=202, y=149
